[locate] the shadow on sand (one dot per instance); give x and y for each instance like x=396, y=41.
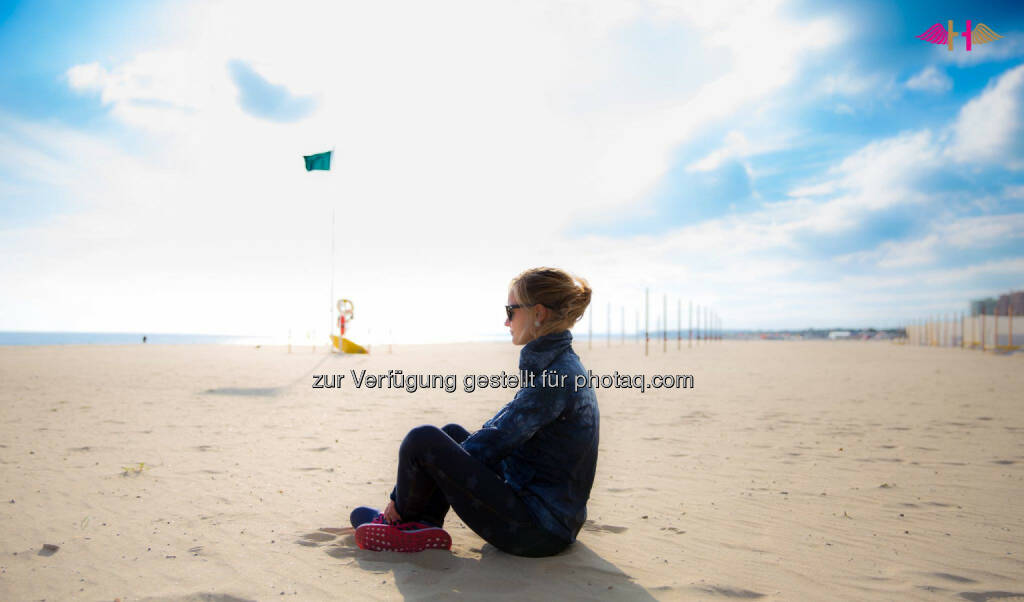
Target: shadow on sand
x=578, y=572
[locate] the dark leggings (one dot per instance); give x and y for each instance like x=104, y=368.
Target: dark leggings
x=435, y=473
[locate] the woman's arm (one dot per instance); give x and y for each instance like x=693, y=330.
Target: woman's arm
x=531, y=409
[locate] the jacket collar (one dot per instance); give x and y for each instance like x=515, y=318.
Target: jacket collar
x=540, y=352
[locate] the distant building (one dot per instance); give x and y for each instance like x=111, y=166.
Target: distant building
x=983, y=306
x=839, y=334
x=1014, y=300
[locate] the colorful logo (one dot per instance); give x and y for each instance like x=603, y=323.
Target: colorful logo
x=937, y=34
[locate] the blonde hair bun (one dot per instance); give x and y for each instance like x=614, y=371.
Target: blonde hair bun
x=566, y=295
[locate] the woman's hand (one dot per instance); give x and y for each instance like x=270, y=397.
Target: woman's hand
x=391, y=514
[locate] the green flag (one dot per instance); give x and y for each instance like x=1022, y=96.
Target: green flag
x=318, y=161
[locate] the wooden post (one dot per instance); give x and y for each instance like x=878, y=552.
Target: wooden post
x=609, y=325
x=689, y=341
x=995, y=325
x=647, y=318
x=698, y=325
x=664, y=323
x=590, y=328
x=1009, y=315
x=983, y=328
x=679, y=325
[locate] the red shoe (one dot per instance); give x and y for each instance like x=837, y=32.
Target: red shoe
x=402, y=537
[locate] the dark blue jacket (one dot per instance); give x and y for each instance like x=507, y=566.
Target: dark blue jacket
x=544, y=441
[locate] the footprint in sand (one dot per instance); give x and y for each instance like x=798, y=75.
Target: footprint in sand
x=323, y=535
x=592, y=526
x=951, y=577
x=731, y=592
x=986, y=596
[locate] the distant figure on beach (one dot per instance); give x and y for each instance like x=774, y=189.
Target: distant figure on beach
x=143, y=339
x=522, y=481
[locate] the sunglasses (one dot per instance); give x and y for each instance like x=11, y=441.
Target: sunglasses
x=510, y=310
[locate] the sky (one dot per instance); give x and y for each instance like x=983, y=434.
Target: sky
x=788, y=164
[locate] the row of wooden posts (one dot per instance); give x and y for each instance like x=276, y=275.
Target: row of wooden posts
x=967, y=332
x=706, y=328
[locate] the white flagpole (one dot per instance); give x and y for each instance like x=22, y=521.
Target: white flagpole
x=330, y=329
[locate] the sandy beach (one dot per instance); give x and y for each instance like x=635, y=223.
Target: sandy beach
x=791, y=471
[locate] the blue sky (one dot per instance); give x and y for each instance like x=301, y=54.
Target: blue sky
x=790, y=164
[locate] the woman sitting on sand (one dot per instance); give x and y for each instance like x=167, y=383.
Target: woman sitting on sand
x=522, y=481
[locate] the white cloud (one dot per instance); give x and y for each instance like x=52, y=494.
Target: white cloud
x=468, y=137
x=881, y=175
x=88, y=76
x=989, y=127
x=824, y=188
x=930, y=79
x=742, y=144
x=897, y=254
x=736, y=145
x=462, y=154
x=854, y=84
x=1014, y=192
x=983, y=231
x=889, y=172
x=854, y=90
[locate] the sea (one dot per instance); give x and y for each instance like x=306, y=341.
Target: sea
x=133, y=338
x=127, y=338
